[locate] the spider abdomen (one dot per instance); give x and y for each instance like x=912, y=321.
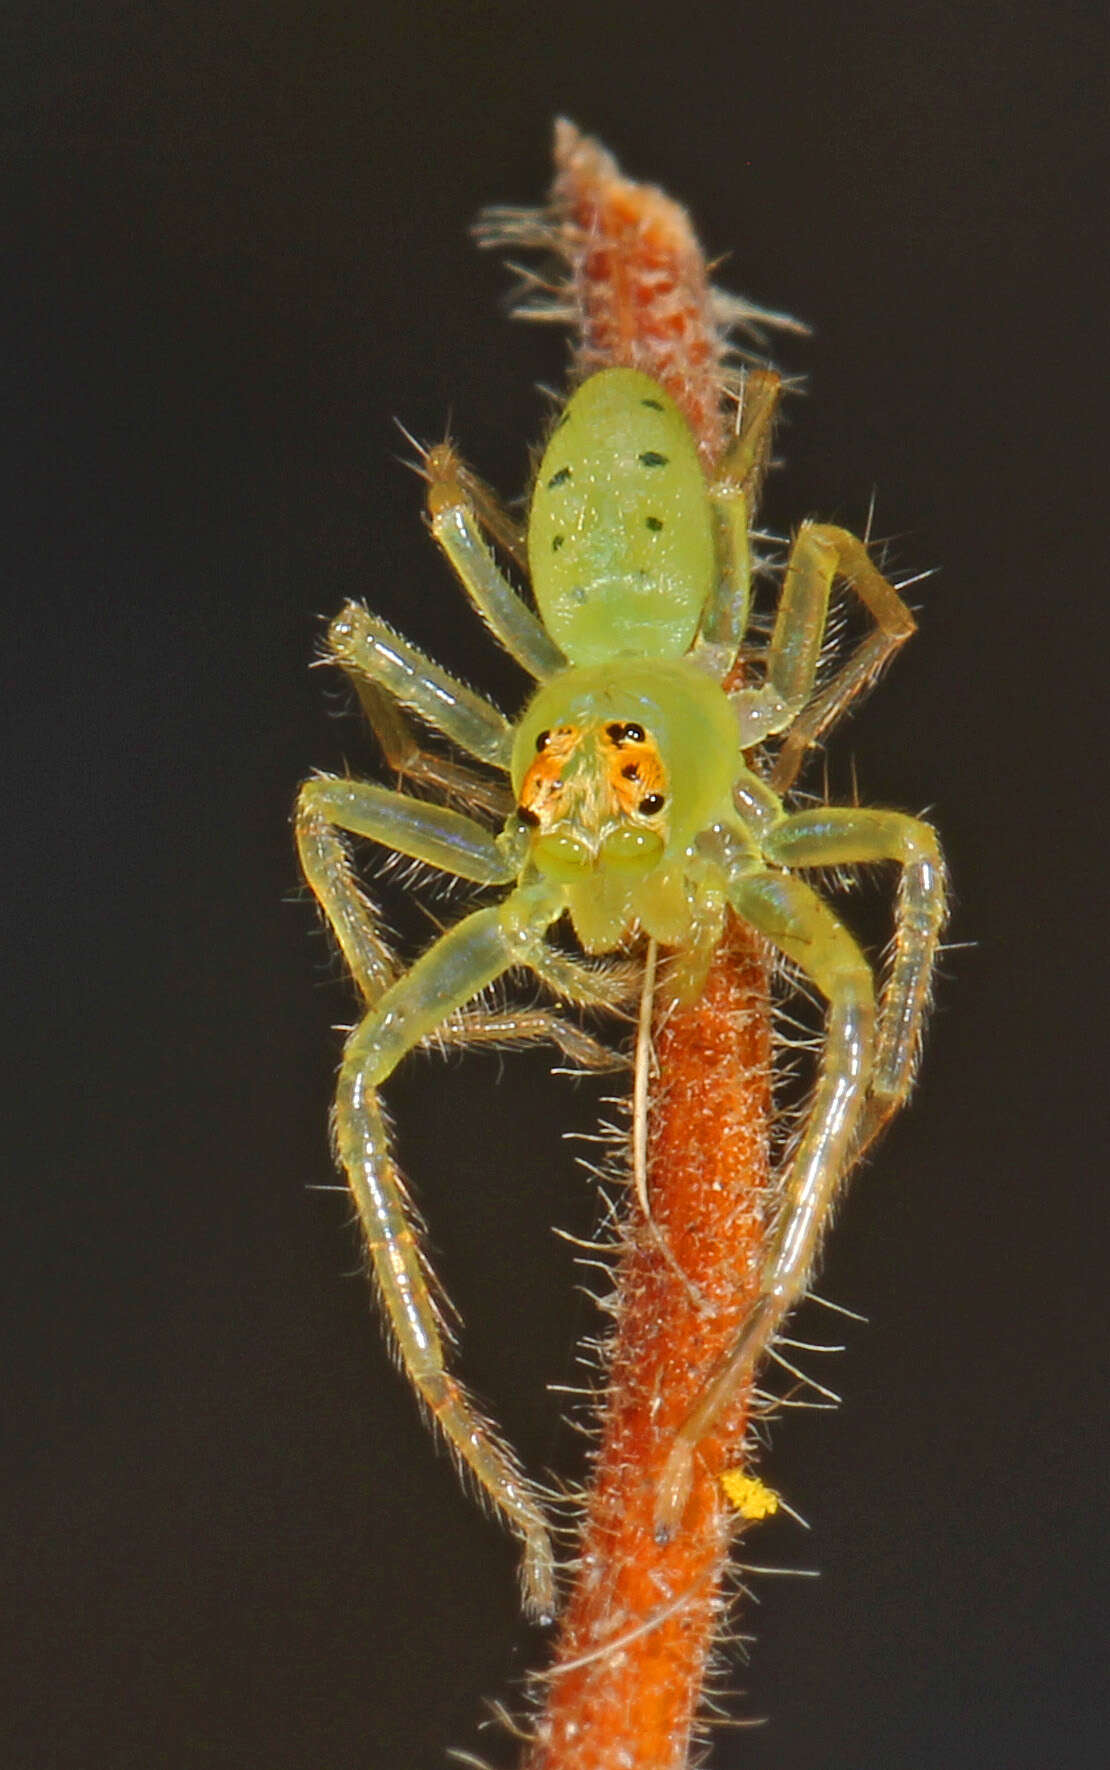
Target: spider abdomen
x=620, y=537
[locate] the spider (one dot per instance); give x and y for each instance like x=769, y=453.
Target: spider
x=639, y=807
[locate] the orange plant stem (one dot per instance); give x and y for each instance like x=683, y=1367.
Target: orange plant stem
x=636, y=1634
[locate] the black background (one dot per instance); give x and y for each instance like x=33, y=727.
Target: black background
x=239, y=249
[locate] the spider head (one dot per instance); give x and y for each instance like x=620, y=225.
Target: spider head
x=617, y=768
x=595, y=796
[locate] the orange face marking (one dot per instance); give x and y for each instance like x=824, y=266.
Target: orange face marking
x=601, y=776
x=543, y=792
x=634, y=768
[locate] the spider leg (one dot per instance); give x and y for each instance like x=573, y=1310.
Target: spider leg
x=525, y=1026
x=795, y=919
x=734, y=496
x=839, y=836
x=455, y=969
x=822, y=549
x=367, y=648
x=457, y=506
x=614, y=986
x=609, y=987
x=404, y=753
x=404, y=1013
x=444, y=465
x=821, y=553
x=327, y=806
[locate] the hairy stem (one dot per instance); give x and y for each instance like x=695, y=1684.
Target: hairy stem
x=634, y=1641
x=638, y=1628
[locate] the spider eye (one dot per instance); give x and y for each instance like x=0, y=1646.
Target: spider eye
x=527, y=816
x=625, y=734
x=651, y=803
x=542, y=741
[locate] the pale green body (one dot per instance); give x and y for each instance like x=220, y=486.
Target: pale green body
x=641, y=577
x=621, y=548
x=608, y=889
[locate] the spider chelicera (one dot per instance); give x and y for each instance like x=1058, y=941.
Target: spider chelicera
x=635, y=810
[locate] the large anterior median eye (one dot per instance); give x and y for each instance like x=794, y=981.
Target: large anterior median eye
x=631, y=850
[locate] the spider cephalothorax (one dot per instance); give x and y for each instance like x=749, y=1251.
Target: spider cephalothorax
x=634, y=813
x=617, y=768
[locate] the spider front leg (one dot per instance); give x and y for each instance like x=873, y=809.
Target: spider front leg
x=404, y=1013
x=795, y=919
x=462, y=963
x=610, y=988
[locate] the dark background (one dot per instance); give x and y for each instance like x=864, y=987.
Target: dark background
x=239, y=249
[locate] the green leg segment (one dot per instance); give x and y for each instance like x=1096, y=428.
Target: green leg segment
x=404, y=1012
x=612, y=986
x=843, y=836
x=431, y=833
x=410, y=761
x=455, y=525
x=528, y=1026
x=821, y=553
x=734, y=496
x=795, y=919
x=456, y=968
x=365, y=646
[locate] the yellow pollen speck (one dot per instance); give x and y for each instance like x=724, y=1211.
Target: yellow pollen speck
x=751, y=1499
